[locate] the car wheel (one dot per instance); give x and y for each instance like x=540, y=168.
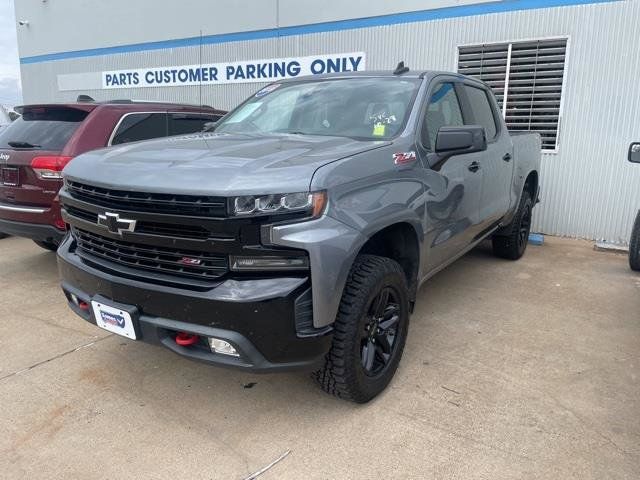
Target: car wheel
x=512, y=244
x=634, y=245
x=52, y=246
x=369, y=332
x=3, y=235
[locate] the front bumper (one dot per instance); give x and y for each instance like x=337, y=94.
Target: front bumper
x=267, y=320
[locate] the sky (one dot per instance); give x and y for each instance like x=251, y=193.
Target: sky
x=10, y=90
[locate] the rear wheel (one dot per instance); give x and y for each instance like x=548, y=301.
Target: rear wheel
x=512, y=244
x=369, y=332
x=52, y=246
x=634, y=245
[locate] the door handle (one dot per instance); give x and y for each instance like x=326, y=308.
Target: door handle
x=507, y=157
x=474, y=167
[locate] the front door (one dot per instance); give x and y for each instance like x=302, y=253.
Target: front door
x=453, y=185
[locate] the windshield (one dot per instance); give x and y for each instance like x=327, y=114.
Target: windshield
x=367, y=108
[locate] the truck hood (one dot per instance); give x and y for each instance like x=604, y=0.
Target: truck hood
x=215, y=164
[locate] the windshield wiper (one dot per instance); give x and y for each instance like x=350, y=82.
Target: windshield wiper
x=292, y=132
x=22, y=145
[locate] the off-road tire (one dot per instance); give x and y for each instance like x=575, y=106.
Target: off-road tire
x=51, y=246
x=511, y=243
x=343, y=373
x=634, y=245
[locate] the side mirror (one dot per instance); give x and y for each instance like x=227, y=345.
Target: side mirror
x=634, y=152
x=456, y=140
x=209, y=126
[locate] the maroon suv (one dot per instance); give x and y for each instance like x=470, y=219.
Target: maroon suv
x=35, y=148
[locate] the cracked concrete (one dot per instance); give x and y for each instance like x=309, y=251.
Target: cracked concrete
x=511, y=371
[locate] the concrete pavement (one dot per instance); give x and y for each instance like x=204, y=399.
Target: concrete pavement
x=512, y=370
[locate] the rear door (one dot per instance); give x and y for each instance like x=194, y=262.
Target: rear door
x=496, y=162
x=182, y=123
x=41, y=131
x=137, y=126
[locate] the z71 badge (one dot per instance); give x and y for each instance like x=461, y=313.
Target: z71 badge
x=402, y=158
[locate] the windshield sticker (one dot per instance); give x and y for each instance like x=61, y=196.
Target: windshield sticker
x=267, y=89
x=379, y=130
x=383, y=118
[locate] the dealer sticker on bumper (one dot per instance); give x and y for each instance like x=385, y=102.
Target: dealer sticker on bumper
x=114, y=320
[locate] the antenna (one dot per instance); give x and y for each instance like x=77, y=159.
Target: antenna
x=200, y=87
x=400, y=69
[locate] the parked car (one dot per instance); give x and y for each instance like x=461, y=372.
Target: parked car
x=297, y=234
x=634, y=244
x=5, y=120
x=35, y=148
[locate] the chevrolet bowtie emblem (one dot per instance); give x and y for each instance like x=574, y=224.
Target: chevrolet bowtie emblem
x=115, y=224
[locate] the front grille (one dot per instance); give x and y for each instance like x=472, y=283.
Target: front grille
x=183, y=263
x=163, y=203
x=153, y=228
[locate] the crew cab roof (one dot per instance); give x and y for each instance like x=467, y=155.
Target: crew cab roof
x=375, y=74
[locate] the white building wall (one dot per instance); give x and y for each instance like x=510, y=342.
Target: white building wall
x=588, y=188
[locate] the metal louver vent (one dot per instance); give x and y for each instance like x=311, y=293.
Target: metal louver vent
x=531, y=82
x=488, y=63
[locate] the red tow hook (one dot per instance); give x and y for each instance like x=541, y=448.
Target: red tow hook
x=185, y=339
x=83, y=305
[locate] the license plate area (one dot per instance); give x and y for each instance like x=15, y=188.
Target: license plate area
x=114, y=319
x=10, y=176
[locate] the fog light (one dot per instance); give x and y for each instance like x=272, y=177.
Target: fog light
x=220, y=346
x=248, y=263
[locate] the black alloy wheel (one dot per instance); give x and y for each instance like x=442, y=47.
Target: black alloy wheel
x=370, y=330
x=380, y=332
x=525, y=228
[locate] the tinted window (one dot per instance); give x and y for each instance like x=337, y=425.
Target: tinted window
x=44, y=127
x=140, y=126
x=482, y=111
x=443, y=110
x=363, y=108
x=183, y=123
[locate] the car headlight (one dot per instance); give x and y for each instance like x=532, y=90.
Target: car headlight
x=251, y=205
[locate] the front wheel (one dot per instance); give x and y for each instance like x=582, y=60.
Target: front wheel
x=369, y=332
x=512, y=244
x=634, y=245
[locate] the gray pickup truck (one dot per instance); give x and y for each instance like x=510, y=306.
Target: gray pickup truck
x=297, y=233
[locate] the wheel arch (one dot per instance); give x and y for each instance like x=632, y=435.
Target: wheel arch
x=531, y=185
x=400, y=242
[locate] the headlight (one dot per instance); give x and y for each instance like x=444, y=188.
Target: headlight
x=252, y=205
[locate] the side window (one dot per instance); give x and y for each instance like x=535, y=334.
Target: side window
x=482, y=111
x=184, y=123
x=443, y=110
x=140, y=126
